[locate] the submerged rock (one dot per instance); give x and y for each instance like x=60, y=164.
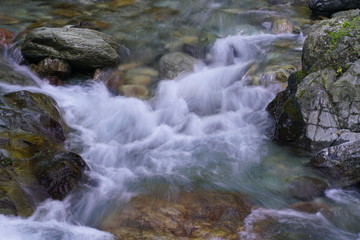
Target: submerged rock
x=173, y=64
x=199, y=215
x=307, y=188
x=332, y=43
x=81, y=48
x=136, y=91
x=328, y=7
x=340, y=162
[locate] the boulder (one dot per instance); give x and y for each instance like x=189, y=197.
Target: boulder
x=81, y=48
x=328, y=7
x=321, y=110
x=200, y=214
x=332, y=43
x=340, y=162
x=173, y=64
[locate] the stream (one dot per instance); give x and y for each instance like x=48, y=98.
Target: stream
x=204, y=130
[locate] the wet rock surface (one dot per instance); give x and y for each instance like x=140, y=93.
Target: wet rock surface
x=81, y=48
x=197, y=215
x=59, y=173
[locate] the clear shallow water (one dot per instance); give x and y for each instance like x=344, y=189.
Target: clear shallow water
x=208, y=129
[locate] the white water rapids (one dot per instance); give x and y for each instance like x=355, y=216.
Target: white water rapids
x=208, y=125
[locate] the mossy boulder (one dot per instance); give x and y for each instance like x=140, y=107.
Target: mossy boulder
x=33, y=162
x=332, y=43
x=319, y=111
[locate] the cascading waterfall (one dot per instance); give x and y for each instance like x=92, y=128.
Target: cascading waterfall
x=209, y=125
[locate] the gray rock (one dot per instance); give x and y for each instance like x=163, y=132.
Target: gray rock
x=172, y=64
x=81, y=48
x=341, y=161
x=327, y=7
x=322, y=110
x=332, y=43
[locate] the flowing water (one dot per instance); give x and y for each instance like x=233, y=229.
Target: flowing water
x=204, y=130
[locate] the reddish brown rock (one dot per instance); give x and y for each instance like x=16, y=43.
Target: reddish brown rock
x=6, y=37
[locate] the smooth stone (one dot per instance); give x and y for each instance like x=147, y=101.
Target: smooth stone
x=81, y=48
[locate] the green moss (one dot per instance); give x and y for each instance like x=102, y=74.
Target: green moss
x=6, y=162
x=300, y=74
x=344, y=30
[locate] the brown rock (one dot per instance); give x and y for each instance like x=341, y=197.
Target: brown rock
x=282, y=26
x=53, y=68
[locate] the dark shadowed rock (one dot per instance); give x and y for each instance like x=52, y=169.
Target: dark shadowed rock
x=60, y=173
x=80, y=47
x=340, y=162
x=328, y=7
